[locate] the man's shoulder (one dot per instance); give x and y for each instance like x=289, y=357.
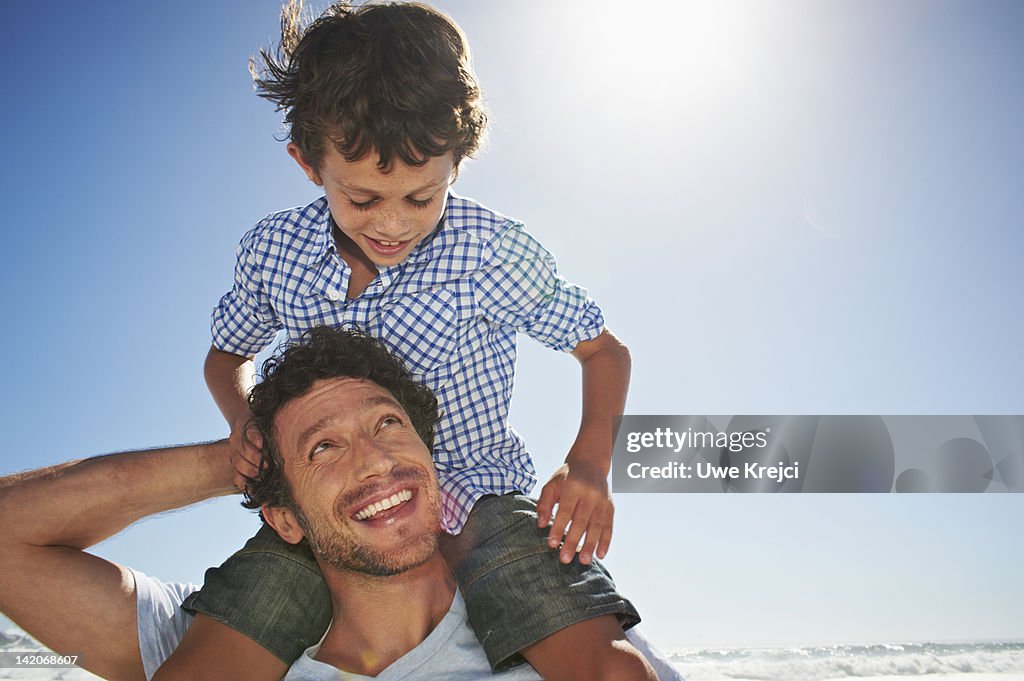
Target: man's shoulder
x=293, y=231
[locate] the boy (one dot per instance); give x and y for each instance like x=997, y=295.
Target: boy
x=383, y=107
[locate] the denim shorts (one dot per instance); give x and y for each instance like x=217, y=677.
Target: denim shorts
x=271, y=591
x=516, y=590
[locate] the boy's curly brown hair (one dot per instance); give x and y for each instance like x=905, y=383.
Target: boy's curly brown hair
x=390, y=78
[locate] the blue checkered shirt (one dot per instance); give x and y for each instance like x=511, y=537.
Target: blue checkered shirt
x=451, y=311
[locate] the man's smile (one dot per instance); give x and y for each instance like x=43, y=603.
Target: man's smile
x=386, y=507
x=383, y=502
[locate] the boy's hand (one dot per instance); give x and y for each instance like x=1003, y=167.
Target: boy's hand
x=246, y=443
x=581, y=492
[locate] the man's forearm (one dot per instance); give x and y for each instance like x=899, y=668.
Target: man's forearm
x=81, y=503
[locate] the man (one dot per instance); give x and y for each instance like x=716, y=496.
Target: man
x=346, y=467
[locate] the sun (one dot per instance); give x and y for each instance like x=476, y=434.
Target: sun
x=668, y=53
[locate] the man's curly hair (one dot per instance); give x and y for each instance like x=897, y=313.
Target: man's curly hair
x=324, y=352
x=394, y=78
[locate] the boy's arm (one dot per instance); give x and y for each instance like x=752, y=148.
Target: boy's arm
x=520, y=288
x=74, y=602
x=229, y=378
x=242, y=324
x=580, y=486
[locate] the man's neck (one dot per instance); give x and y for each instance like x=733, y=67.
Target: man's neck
x=379, y=619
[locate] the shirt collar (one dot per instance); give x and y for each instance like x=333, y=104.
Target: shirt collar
x=320, y=244
x=424, y=250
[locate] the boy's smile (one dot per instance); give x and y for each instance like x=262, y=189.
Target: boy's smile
x=384, y=215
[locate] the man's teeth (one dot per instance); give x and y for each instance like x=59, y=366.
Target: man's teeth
x=388, y=243
x=384, y=504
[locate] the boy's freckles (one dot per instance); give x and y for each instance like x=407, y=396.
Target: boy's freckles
x=384, y=215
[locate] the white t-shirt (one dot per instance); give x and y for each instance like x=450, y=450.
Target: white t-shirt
x=161, y=621
x=451, y=651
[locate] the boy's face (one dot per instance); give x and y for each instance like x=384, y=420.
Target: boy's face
x=385, y=214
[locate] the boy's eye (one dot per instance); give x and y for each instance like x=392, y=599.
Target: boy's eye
x=365, y=205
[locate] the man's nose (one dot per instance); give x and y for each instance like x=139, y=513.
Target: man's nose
x=371, y=459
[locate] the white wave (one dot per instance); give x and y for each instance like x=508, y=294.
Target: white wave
x=879, y=662
x=842, y=662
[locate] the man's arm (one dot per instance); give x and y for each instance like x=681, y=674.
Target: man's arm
x=580, y=486
x=74, y=602
x=211, y=649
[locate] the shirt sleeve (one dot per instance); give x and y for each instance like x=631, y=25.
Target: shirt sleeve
x=520, y=288
x=665, y=670
x=161, y=621
x=243, y=323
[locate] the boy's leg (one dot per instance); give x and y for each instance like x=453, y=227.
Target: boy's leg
x=256, y=613
x=566, y=620
x=593, y=649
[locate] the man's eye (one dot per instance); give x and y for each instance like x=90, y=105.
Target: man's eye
x=390, y=421
x=319, y=448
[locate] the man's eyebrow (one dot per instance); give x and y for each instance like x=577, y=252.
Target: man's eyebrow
x=372, y=402
x=381, y=401
x=308, y=433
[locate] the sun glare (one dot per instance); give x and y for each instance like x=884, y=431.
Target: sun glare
x=673, y=52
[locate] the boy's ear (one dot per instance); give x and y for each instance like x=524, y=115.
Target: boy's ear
x=307, y=167
x=284, y=522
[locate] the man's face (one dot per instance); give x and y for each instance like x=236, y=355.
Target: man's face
x=363, y=482
x=382, y=214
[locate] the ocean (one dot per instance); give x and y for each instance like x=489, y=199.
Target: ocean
x=991, y=661
x=1004, y=660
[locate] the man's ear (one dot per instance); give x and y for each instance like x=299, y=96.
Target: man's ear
x=307, y=167
x=284, y=522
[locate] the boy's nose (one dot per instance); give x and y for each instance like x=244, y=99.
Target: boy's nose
x=389, y=225
x=389, y=232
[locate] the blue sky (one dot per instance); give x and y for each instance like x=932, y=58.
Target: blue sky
x=782, y=207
